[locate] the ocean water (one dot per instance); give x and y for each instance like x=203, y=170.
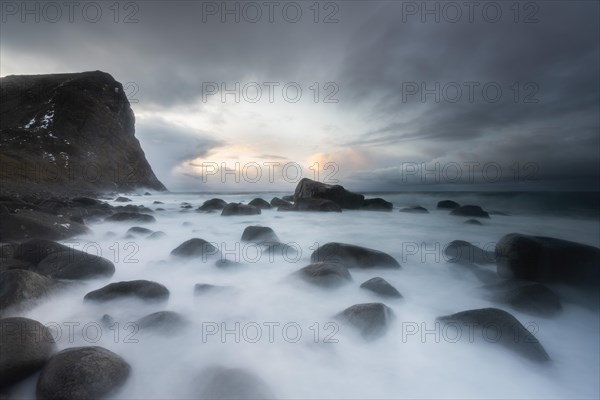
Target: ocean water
x=283, y=330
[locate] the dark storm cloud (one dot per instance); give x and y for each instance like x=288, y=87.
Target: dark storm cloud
x=375, y=53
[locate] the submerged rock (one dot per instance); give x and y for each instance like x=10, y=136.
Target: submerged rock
x=381, y=287
x=259, y=234
x=470, y=211
x=504, y=329
x=473, y=221
x=325, y=274
x=167, y=322
x=138, y=230
x=372, y=320
x=528, y=297
x=140, y=289
x=195, y=248
x=82, y=373
x=447, y=205
x=260, y=203
x=239, y=209
x=462, y=252
x=26, y=345
x=353, y=256
x=122, y=200
x=414, y=210
x=377, y=204
x=230, y=383
x=546, y=259
x=212, y=205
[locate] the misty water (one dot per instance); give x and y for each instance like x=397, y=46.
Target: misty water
x=301, y=351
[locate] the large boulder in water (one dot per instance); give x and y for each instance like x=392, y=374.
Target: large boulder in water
x=372, y=320
x=498, y=326
x=381, y=287
x=314, y=205
x=377, y=204
x=230, y=383
x=470, y=211
x=29, y=224
x=195, y=248
x=260, y=203
x=462, y=252
x=82, y=373
x=447, y=205
x=35, y=250
x=309, y=189
x=75, y=264
x=239, y=209
x=212, y=205
x=259, y=234
x=546, y=259
x=277, y=202
x=325, y=274
x=25, y=345
x=353, y=256
x=414, y=210
x=163, y=322
x=126, y=216
x=20, y=289
x=139, y=289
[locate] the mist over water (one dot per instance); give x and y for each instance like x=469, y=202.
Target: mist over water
x=287, y=334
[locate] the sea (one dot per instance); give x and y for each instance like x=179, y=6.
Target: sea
x=284, y=330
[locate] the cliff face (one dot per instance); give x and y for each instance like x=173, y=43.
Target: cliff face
x=69, y=133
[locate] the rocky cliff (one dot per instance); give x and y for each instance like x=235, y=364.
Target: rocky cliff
x=68, y=133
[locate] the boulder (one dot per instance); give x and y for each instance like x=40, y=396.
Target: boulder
x=239, y=209
x=230, y=383
x=75, y=264
x=313, y=205
x=35, y=250
x=353, y=256
x=381, y=287
x=462, y=252
x=259, y=234
x=498, y=326
x=309, y=189
x=156, y=235
x=447, y=205
x=372, y=320
x=157, y=202
x=122, y=199
x=204, y=288
x=29, y=224
x=82, y=373
x=277, y=202
x=260, y=203
x=546, y=259
x=140, y=289
x=166, y=322
x=26, y=346
x=527, y=297
x=12, y=263
x=138, y=231
x=131, y=217
x=470, y=211
x=325, y=274
x=414, y=210
x=289, y=197
x=195, y=248
x=377, y=204
x=212, y=205
x=20, y=289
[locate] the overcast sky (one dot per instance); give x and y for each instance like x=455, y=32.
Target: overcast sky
x=394, y=95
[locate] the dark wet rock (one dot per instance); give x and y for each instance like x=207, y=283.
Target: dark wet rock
x=82, y=373
x=499, y=326
x=528, y=297
x=212, y=205
x=260, y=203
x=447, y=205
x=314, y=205
x=546, y=259
x=230, y=383
x=186, y=205
x=86, y=201
x=167, y=322
x=259, y=234
x=107, y=321
x=309, y=189
x=157, y=202
x=289, y=197
x=12, y=263
x=122, y=200
x=372, y=320
x=147, y=194
x=131, y=208
x=381, y=287
x=204, y=288
x=462, y=252
x=377, y=204
x=415, y=210
x=26, y=345
x=470, y=211
x=353, y=256
x=473, y=221
x=20, y=289
x=195, y=248
x=325, y=274
x=277, y=202
x=35, y=250
x=7, y=250
x=131, y=217
x=138, y=230
x=239, y=209
x=160, y=209
x=141, y=289
x=75, y=264
x=34, y=224
x=156, y=235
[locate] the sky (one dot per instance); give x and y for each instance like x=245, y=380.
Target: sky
x=373, y=95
